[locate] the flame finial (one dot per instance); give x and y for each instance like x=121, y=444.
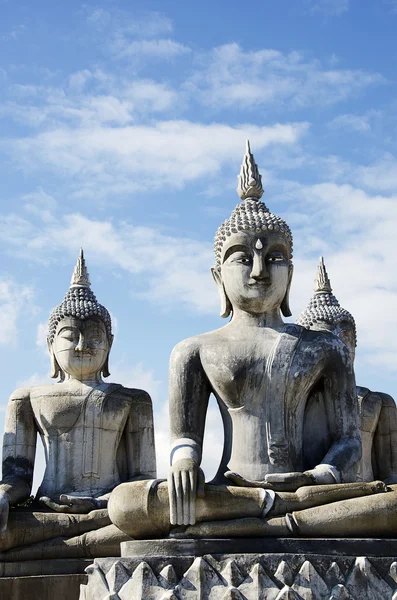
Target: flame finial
x=322, y=284
x=249, y=180
x=80, y=277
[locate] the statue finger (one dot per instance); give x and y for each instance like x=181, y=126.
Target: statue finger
x=172, y=497
x=185, y=481
x=179, y=499
x=85, y=501
x=61, y=508
x=193, y=477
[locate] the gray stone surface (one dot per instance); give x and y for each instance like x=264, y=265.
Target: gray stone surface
x=48, y=587
x=264, y=374
x=77, y=418
x=378, y=411
x=313, y=576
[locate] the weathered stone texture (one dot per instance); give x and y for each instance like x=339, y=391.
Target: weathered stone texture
x=243, y=577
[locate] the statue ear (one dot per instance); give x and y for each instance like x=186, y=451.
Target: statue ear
x=226, y=307
x=285, y=309
x=56, y=370
x=105, y=368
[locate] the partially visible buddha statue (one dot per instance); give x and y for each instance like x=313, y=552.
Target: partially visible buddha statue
x=378, y=411
x=95, y=436
x=263, y=373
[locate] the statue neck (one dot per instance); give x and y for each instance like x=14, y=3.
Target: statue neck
x=271, y=319
x=91, y=380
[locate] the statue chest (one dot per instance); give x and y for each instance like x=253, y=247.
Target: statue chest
x=59, y=415
x=250, y=373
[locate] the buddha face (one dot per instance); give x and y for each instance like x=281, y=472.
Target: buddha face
x=81, y=347
x=255, y=270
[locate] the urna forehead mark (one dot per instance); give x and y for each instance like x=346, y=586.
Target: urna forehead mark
x=258, y=244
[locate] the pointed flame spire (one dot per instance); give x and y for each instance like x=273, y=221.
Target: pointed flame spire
x=80, y=277
x=322, y=284
x=249, y=180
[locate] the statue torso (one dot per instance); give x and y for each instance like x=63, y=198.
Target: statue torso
x=262, y=379
x=81, y=431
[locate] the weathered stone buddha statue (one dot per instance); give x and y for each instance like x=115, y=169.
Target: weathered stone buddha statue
x=378, y=411
x=95, y=435
x=263, y=373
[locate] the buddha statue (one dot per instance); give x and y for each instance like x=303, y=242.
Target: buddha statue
x=95, y=436
x=262, y=373
x=378, y=411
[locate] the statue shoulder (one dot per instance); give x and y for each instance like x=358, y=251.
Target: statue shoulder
x=324, y=339
x=22, y=393
x=187, y=349
x=134, y=395
x=387, y=400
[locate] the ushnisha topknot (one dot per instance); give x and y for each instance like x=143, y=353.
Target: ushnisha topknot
x=79, y=302
x=324, y=307
x=251, y=214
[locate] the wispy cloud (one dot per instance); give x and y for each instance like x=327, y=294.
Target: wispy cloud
x=16, y=301
x=234, y=77
x=161, y=49
x=351, y=123
x=113, y=160
x=327, y=8
x=163, y=273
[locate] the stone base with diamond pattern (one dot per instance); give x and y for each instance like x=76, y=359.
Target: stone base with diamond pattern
x=332, y=574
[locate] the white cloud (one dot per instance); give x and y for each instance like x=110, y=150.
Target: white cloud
x=380, y=175
x=351, y=122
x=328, y=8
x=41, y=339
x=106, y=100
x=161, y=49
x=172, y=269
x=16, y=300
x=233, y=77
x=115, y=160
x=129, y=23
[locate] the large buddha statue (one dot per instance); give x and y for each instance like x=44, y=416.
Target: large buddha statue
x=378, y=411
x=95, y=436
x=263, y=373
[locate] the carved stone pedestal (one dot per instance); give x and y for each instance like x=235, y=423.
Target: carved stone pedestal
x=247, y=569
x=57, y=579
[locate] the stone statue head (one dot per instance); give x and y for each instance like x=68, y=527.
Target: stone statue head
x=79, y=331
x=253, y=251
x=325, y=313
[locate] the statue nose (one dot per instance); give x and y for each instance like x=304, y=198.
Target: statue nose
x=81, y=344
x=259, y=269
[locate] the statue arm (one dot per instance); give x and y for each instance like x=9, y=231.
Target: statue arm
x=189, y=392
x=343, y=417
x=139, y=438
x=385, y=441
x=19, y=449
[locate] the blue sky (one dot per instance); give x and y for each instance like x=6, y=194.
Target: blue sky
x=123, y=126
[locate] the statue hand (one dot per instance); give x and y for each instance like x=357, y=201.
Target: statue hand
x=288, y=482
x=75, y=504
x=185, y=482
x=241, y=481
x=279, y=482
x=4, y=510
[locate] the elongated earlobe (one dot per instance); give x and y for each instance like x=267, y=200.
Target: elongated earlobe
x=56, y=370
x=105, y=368
x=226, y=307
x=285, y=309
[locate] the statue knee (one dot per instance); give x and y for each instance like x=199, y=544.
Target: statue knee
x=141, y=508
